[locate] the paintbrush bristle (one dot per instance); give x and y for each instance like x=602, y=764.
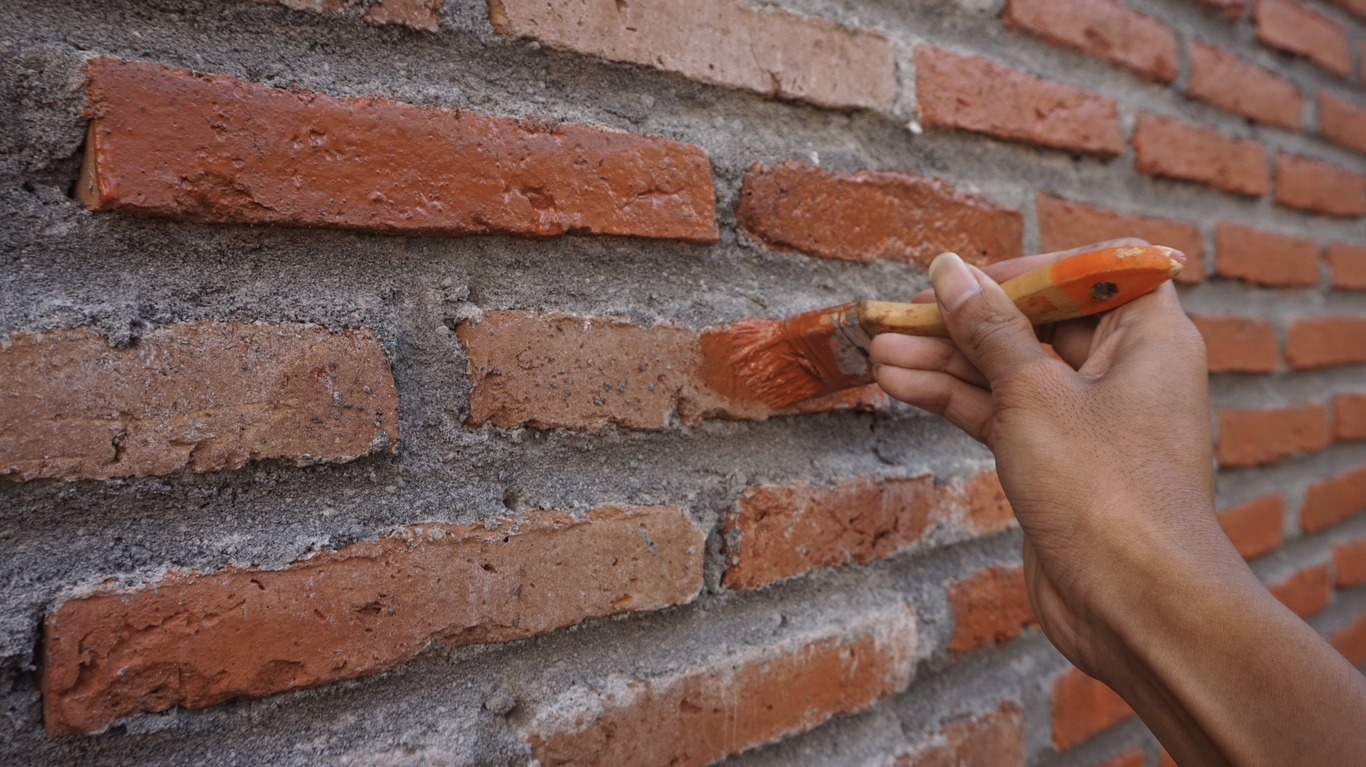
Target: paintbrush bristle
x=766, y=357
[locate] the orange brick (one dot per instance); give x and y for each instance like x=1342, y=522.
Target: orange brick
x=1102, y=28
x=1239, y=86
x=957, y=91
x=1262, y=435
x=1320, y=342
x=1132, y=758
x=1350, y=640
x=1173, y=149
x=1347, y=261
x=994, y=738
x=1165, y=759
x=1342, y=121
x=1082, y=707
x=1256, y=527
x=195, y=640
x=1299, y=29
x=1319, y=187
x=167, y=143
x=990, y=607
x=978, y=505
x=1331, y=501
x=1349, y=416
x=418, y=14
x=1064, y=225
x=703, y=713
x=1265, y=258
x=872, y=215
x=204, y=396
x=1306, y=592
x=1349, y=562
x=742, y=45
x=1237, y=344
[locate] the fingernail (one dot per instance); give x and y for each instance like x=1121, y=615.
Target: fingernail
x=953, y=282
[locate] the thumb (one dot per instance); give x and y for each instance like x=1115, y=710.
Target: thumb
x=982, y=320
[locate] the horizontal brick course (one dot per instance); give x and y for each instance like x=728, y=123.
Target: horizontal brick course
x=1239, y=86
x=1347, y=262
x=1248, y=437
x=989, y=607
x=1332, y=500
x=203, y=396
x=1064, y=225
x=1342, y=121
x=1349, y=416
x=1082, y=707
x=424, y=15
x=1306, y=592
x=1105, y=29
x=1173, y=149
x=1349, y=563
x=1237, y=344
x=994, y=738
x=1350, y=640
x=1264, y=258
x=1300, y=29
x=1320, y=342
x=1256, y=527
x=1319, y=187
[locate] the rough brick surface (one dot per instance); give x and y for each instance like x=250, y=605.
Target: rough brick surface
x=195, y=640
x=1342, y=121
x=871, y=215
x=418, y=14
x=1173, y=149
x=1319, y=187
x=698, y=715
x=1230, y=82
x=964, y=92
x=1082, y=707
x=166, y=143
x=990, y=607
x=1131, y=758
x=1103, y=28
x=1320, y=342
x=1332, y=500
x=202, y=396
x=1349, y=416
x=1350, y=640
x=1237, y=344
x=1349, y=562
x=736, y=44
x=1064, y=224
x=1256, y=527
x=1347, y=262
x=1262, y=435
x=1306, y=592
x=991, y=739
x=1265, y=258
x=1300, y=29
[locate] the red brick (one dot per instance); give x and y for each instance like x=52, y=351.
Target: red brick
x=1260, y=257
x=1319, y=187
x=990, y=607
x=1349, y=562
x=167, y=143
x=978, y=505
x=1237, y=344
x=1349, y=416
x=1082, y=707
x=1302, y=30
x=767, y=50
x=1262, y=435
x=204, y=396
x=1132, y=758
x=418, y=14
x=1331, y=501
x=1232, y=9
x=195, y=640
x=1320, y=342
x=1173, y=149
x=991, y=739
x=964, y=92
x=1350, y=640
x=1102, y=28
x=1342, y=121
x=705, y=712
x=1306, y=592
x=872, y=215
x=1347, y=262
x=1064, y=225
x=1233, y=83
x=1256, y=527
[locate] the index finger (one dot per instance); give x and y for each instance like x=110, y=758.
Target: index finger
x=1004, y=270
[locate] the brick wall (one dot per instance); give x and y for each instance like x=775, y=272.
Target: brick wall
x=360, y=399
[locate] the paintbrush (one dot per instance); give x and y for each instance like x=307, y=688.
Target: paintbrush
x=788, y=361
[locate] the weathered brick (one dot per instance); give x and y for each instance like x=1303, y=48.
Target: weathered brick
x=990, y=607
x=203, y=396
x=1233, y=83
x=164, y=142
x=1173, y=149
x=1082, y=707
x=1332, y=500
x=1320, y=342
x=1342, y=121
x=1349, y=416
x=1347, y=262
x=1260, y=257
x=719, y=707
x=764, y=49
x=1349, y=562
x=1237, y=344
x=424, y=15
x=1064, y=224
x=1299, y=29
x=1132, y=758
x=1306, y=592
x=1105, y=29
x=994, y=738
x=957, y=91
x=871, y=215
x=1256, y=527
x=1248, y=437
x=1319, y=187
x=195, y=640
x=1350, y=640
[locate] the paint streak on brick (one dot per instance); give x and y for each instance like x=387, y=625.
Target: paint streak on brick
x=204, y=396
x=1260, y=257
x=964, y=92
x=1350, y=640
x=1342, y=121
x=735, y=44
x=1249, y=437
x=1064, y=225
x=1306, y=592
x=1299, y=29
x=195, y=640
x=994, y=738
x=167, y=143
x=1173, y=149
x=1256, y=527
x=989, y=607
x=1349, y=416
x=1347, y=261
x=1105, y=29
x=1320, y=342
x=1349, y=562
x=1237, y=344
x=872, y=215
x=418, y=14
x=1082, y=707
x=1239, y=86
x=1319, y=187
x=1332, y=500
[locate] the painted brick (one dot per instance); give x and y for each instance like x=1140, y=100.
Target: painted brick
x=1256, y=527
x=200, y=396
x=957, y=91
x=1064, y=224
x=1349, y=562
x=1347, y=262
x=1237, y=344
x=195, y=640
x=872, y=215
x=164, y=142
x=559, y=370
x=1082, y=707
x=424, y=15
x=1319, y=187
x=1306, y=592
x=1173, y=149
x=1134, y=757
x=1342, y=121
x=1248, y=437
x=990, y=607
x=1350, y=640
x=1239, y=86
x=1320, y=342
x=1349, y=416
x=703, y=713
x=1299, y=29
x=1105, y=29
x=1259, y=257
x=763, y=49
x=994, y=738
x=1332, y=500
x=1231, y=9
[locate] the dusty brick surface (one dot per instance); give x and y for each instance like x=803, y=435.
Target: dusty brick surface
x=1332, y=500
x=167, y=143
x=1349, y=416
x=994, y=738
x=1248, y=437
x=1342, y=121
x=989, y=607
x=194, y=640
x=1300, y=29
x=736, y=44
x=1320, y=342
x=1349, y=563
x=871, y=215
x=1306, y=592
x=1082, y=707
x=198, y=396
x=1350, y=640
x=1319, y=187
x=1347, y=262
x=418, y=14
x=1259, y=257
x=1237, y=344
x=963, y=92
x=1256, y=527
x=1064, y=224
x=1173, y=149
x=1105, y=29
x=1230, y=82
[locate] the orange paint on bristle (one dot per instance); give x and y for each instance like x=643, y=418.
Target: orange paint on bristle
x=789, y=361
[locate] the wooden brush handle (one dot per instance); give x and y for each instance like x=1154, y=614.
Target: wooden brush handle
x=1072, y=287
